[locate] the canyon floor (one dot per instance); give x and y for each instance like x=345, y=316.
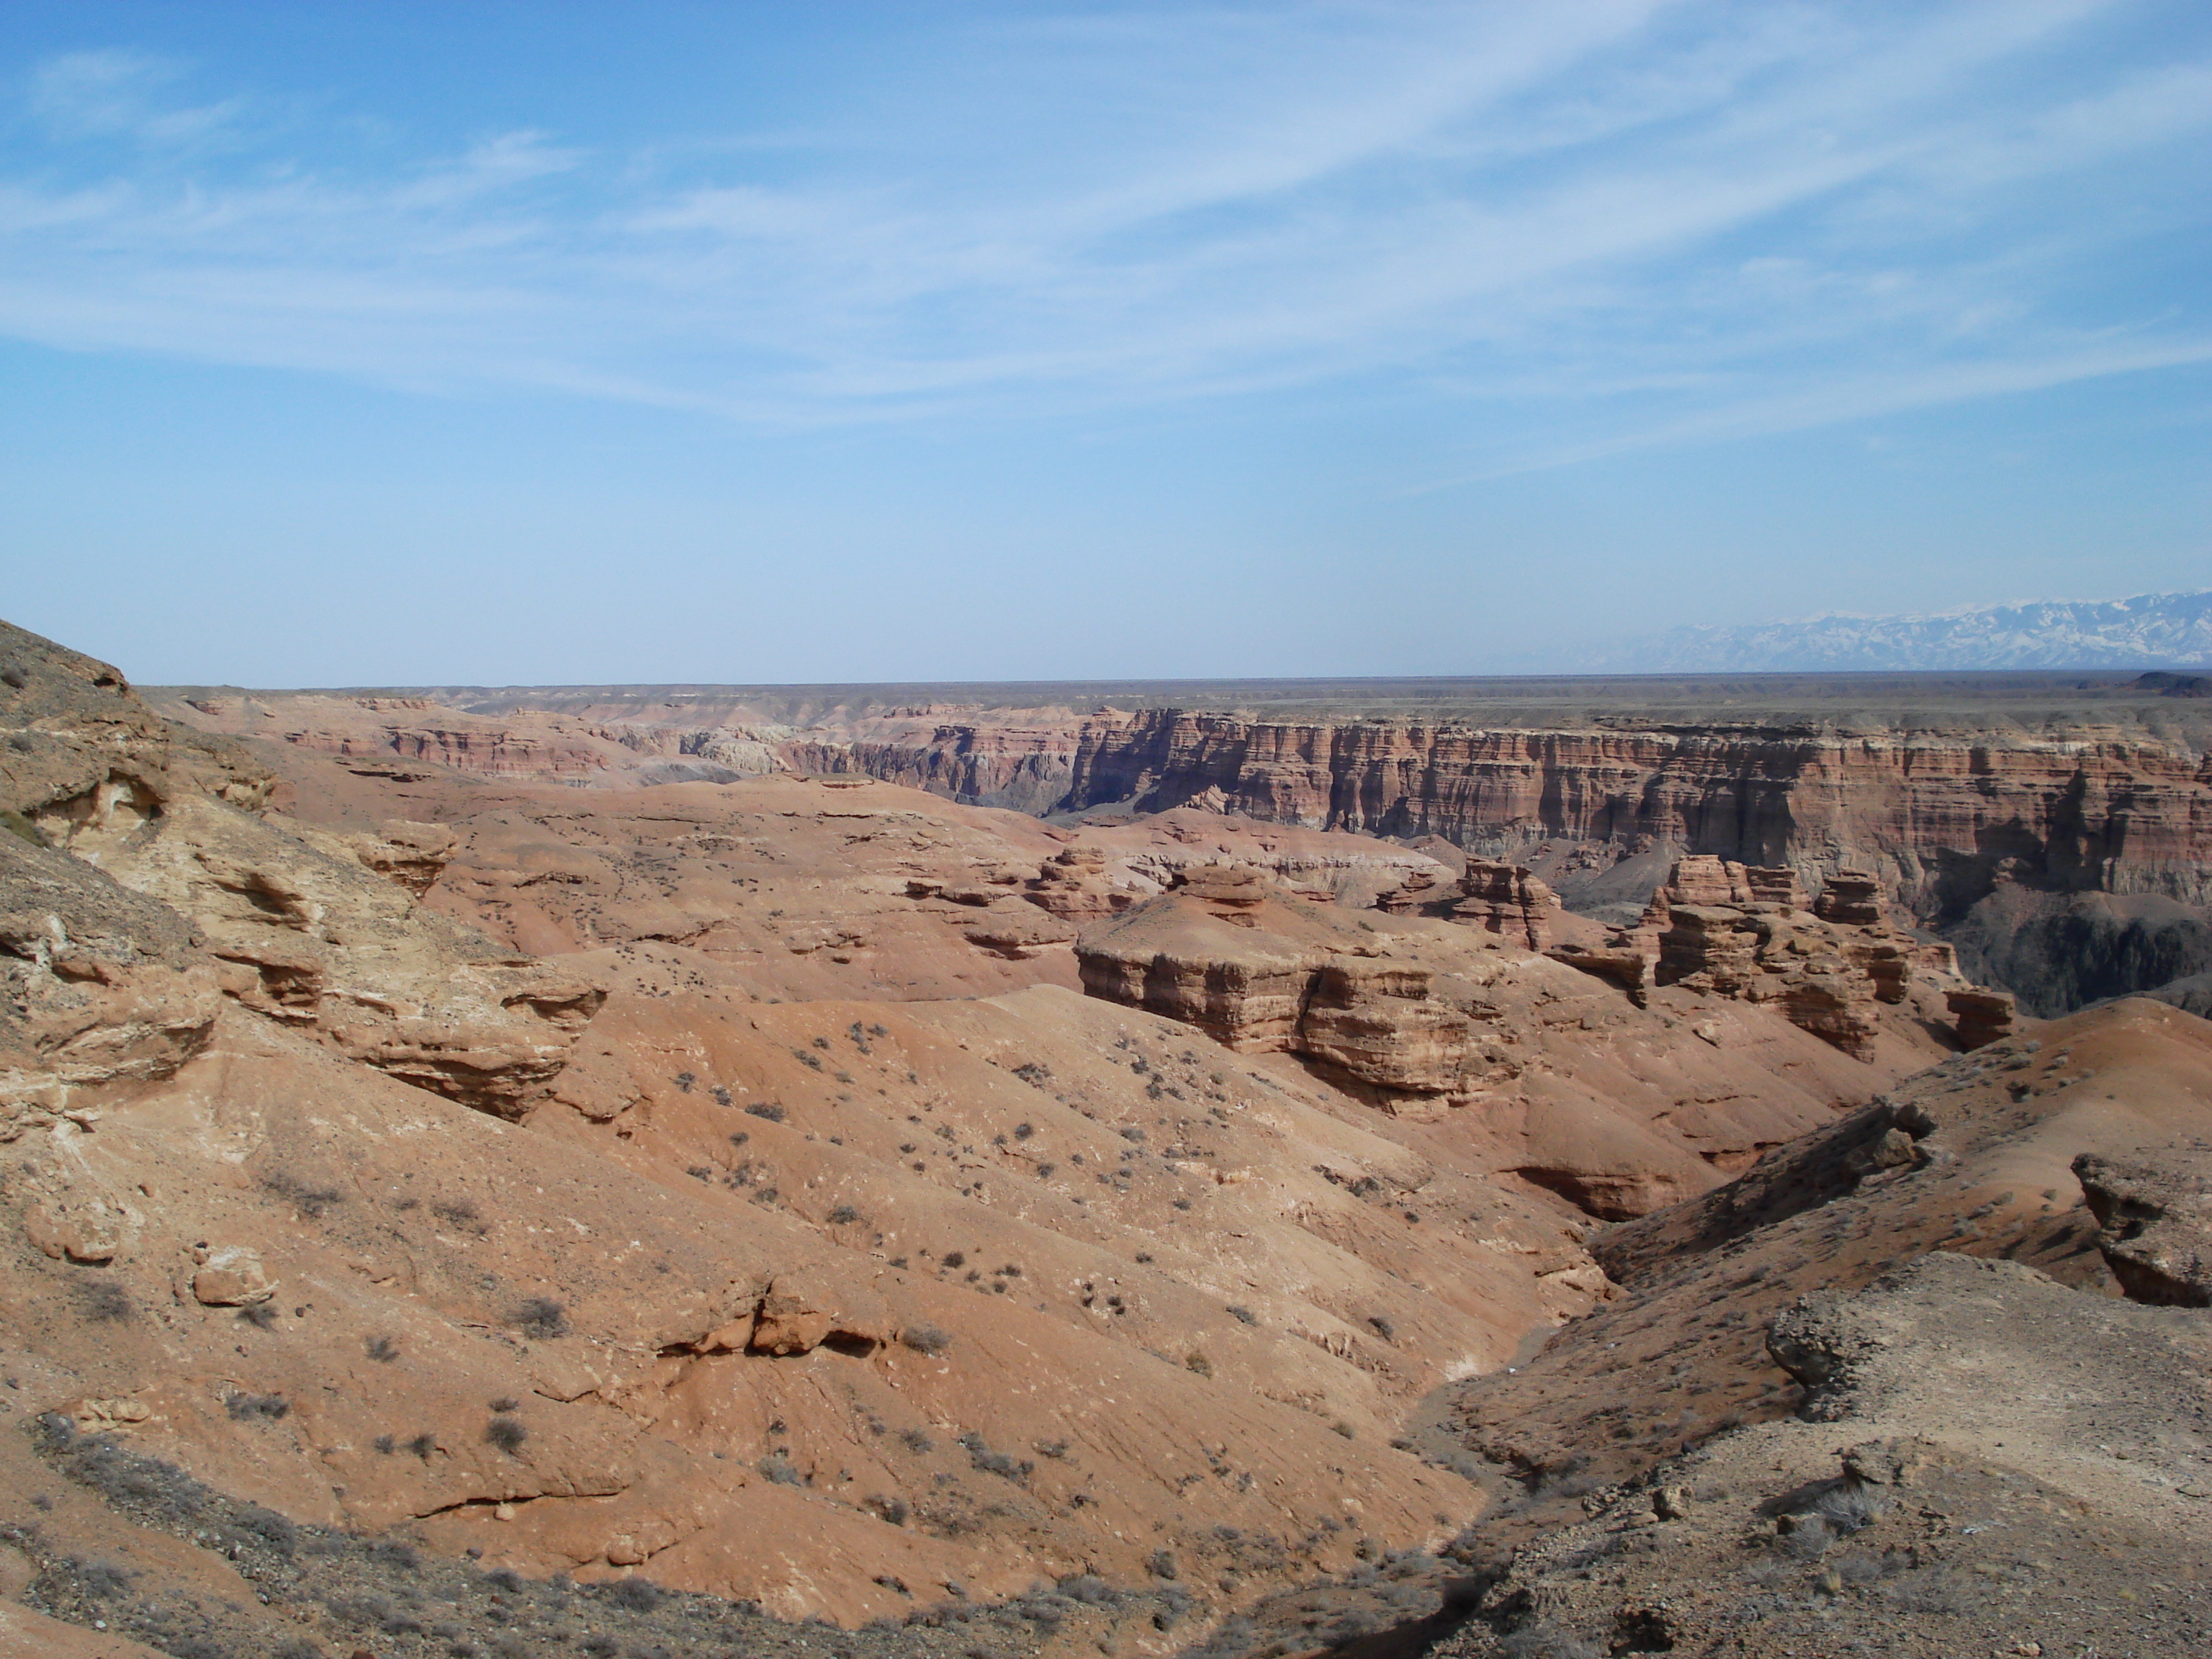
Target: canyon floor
x=691, y=1175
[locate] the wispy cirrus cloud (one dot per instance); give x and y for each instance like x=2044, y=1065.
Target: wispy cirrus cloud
x=119, y=94
x=1681, y=221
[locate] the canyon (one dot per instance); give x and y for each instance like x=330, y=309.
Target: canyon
x=704, y=1172
x=2057, y=829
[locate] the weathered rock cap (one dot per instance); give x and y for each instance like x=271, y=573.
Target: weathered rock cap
x=1238, y=886
x=1981, y=1016
x=2154, y=1218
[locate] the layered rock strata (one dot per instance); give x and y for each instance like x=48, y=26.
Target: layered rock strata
x=1723, y=929
x=1980, y=1017
x=1507, y=900
x=1936, y=815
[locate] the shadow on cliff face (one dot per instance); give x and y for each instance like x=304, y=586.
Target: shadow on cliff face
x=2060, y=951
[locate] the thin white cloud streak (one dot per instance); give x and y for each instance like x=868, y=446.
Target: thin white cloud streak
x=1855, y=399
x=1531, y=203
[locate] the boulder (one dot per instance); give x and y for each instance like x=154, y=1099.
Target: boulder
x=801, y=1311
x=2155, y=1223
x=230, y=1276
x=1980, y=1017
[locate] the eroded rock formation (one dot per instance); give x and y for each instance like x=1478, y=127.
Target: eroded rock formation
x=2154, y=1220
x=1723, y=929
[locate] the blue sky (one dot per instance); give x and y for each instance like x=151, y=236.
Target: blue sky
x=516, y=343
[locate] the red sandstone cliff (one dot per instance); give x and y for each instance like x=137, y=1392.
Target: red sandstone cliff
x=1944, y=820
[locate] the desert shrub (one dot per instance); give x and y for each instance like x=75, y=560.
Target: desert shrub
x=386, y=1444
x=774, y=1114
x=779, y=1469
x=1197, y=1364
x=637, y=1595
x=506, y=1580
x=1934, y=1590
x=1850, y=1508
x=1859, y=1567
x=279, y=1532
x=1548, y=1641
x=506, y=1434
x=1054, y=1449
x=893, y=1510
x=309, y=1200
x=845, y=1216
x=262, y=1316
x=1241, y=1315
x=246, y=1408
x=423, y=1445
x=460, y=1212
x=987, y=1462
x=925, y=1339
x=382, y=1349
x=1809, y=1540
x=541, y=1318
x=104, y=1301
x=915, y=1440
x=954, y=1258
x=1381, y=1325
x=505, y=1403
x=101, y=1580
x=1161, y=1564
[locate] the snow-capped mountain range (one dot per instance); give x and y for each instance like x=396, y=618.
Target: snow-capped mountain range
x=2151, y=631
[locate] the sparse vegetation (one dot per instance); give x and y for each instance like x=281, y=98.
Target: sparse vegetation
x=983, y=1459
x=460, y=1212
x=310, y=1199
x=925, y=1339
x=541, y=1319
x=778, y=1468
x=506, y=1434
x=104, y=1301
x=635, y=1594
x=1850, y=1507
x=246, y=1407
